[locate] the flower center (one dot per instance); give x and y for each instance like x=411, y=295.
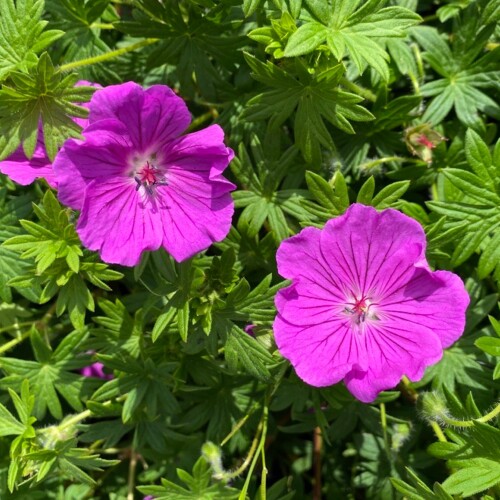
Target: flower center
x=149, y=176
x=361, y=309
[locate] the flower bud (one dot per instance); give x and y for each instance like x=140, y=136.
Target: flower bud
x=213, y=455
x=421, y=140
x=433, y=406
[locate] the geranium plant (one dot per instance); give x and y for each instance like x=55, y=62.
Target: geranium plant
x=249, y=249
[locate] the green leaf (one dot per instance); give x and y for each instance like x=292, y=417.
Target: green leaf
x=477, y=207
x=323, y=192
x=243, y=349
x=365, y=194
x=478, y=156
x=465, y=77
x=42, y=94
x=314, y=98
x=21, y=34
x=250, y=6
x=489, y=345
x=47, y=377
x=198, y=486
x=305, y=39
x=343, y=27
x=9, y=425
x=389, y=194
x=479, y=475
x=162, y=323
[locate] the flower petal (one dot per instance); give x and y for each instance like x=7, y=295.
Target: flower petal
x=103, y=154
x=198, y=214
x=24, y=171
x=372, y=252
x=153, y=117
x=320, y=344
x=117, y=221
x=200, y=207
x=203, y=151
x=300, y=258
x=394, y=349
x=436, y=300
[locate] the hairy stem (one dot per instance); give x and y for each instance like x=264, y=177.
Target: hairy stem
x=109, y=55
x=80, y=417
x=361, y=91
x=470, y=423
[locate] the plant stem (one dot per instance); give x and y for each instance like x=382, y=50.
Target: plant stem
x=470, y=423
x=109, y=55
x=131, y=475
x=361, y=91
x=79, y=417
x=317, y=448
x=103, y=26
x=256, y=444
x=374, y=163
x=239, y=424
x=383, y=423
x=12, y=343
x=439, y=433
x=490, y=415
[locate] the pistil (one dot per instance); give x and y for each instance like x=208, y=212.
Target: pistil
x=149, y=176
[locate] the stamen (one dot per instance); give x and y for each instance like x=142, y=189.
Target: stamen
x=361, y=310
x=149, y=176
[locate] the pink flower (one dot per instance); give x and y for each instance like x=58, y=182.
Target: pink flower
x=250, y=329
x=363, y=305
x=139, y=184
x=95, y=370
x=23, y=170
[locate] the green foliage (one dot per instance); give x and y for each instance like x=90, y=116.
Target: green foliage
x=475, y=458
x=349, y=27
x=478, y=205
x=59, y=263
x=491, y=345
x=80, y=22
x=264, y=204
x=11, y=210
x=43, y=95
x=418, y=490
x=22, y=35
x=50, y=374
x=191, y=39
x=466, y=72
x=314, y=98
x=325, y=103
x=34, y=453
x=198, y=486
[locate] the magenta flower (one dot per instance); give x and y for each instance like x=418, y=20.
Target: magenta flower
x=363, y=305
x=250, y=329
x=139, y=184
x=95, y=370
x=23, y=170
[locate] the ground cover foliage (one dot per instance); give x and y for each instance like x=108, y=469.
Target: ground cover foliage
x=325, y=103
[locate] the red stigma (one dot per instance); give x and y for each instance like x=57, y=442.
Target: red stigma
x=147, y=174
x=425, y=141
x=360, y=306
